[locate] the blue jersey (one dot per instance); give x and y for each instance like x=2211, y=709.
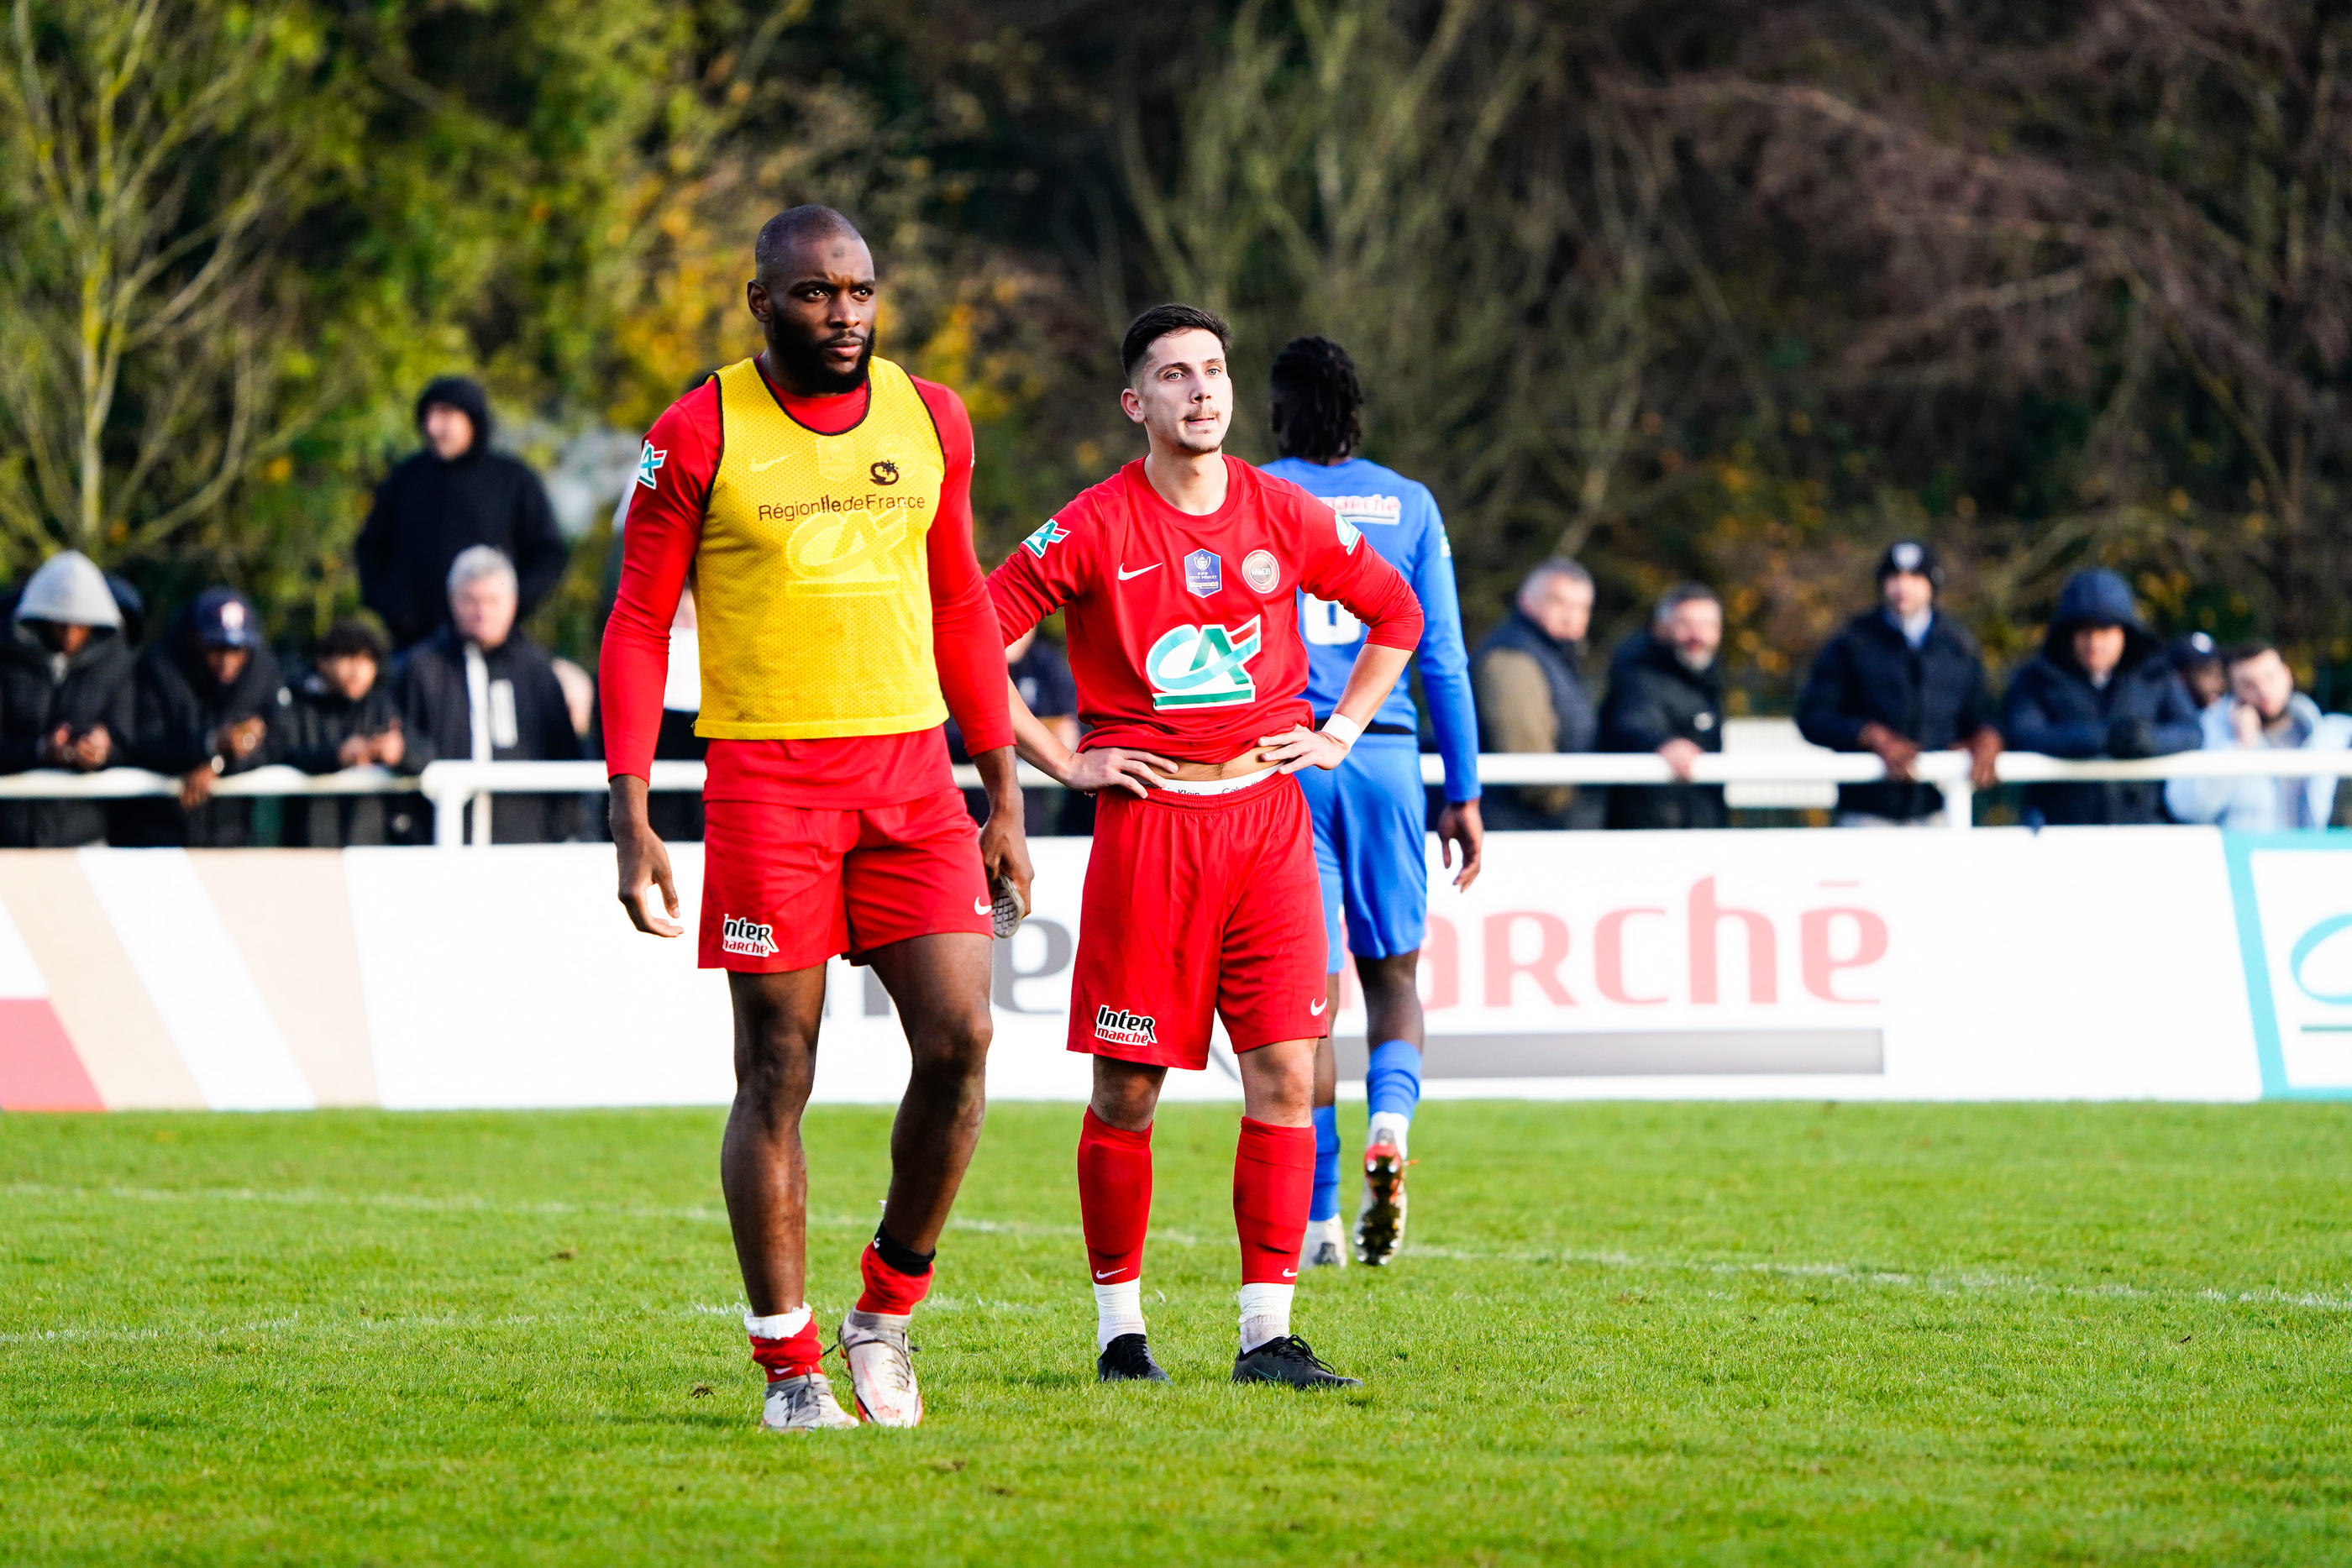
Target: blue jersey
x=1399, y=517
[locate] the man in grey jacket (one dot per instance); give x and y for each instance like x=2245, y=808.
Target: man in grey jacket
x=2261, y=712
x=65, y=696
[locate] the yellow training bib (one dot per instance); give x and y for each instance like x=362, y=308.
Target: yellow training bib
x=812, y=587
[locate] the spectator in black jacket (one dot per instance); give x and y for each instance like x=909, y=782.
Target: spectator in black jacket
x=1901, y=679
x=1665, y=695
x=1528, y=681
x=453, y=496
x=520, y=715
x=207, y=693
x=2100, y=687
x=65, y=696
x=344, y=713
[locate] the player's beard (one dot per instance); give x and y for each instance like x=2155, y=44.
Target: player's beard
x=802, y=363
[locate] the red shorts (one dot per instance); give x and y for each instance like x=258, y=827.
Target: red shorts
x=1195, y=905
x=786, y=887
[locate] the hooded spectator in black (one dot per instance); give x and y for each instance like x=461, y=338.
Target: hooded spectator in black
x=453, y=496
x=343, y=713
x=1666, y=696
x=2100, y=687
x=480, y=690
x=65, y=696
x=1901, y=679
x=1528, y=681
x=207, y=695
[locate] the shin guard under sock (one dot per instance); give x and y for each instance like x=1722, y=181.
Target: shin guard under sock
x=786, y=1345
x=1274, y=1179
x=1115, y=1198
x=898, y=1277
x=1392, y=1078
x=1326, y=1202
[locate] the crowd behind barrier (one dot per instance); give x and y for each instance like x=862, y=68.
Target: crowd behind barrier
x=459, y=728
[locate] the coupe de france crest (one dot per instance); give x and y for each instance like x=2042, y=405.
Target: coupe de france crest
x=1205, y=574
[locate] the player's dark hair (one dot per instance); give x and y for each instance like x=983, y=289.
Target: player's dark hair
x=1161, y=321
x=1318, y=401
x=784, y=234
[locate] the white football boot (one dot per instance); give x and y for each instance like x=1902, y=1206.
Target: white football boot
x=1380, y=1220
x=881, y=1371
x=1325, y=1245
x=803, y=1404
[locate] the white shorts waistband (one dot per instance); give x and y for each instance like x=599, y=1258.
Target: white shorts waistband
x=1214, y=786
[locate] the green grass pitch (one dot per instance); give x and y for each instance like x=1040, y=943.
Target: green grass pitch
x=1794, y=1333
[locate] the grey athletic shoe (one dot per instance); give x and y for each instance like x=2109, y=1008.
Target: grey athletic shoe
x=1325, y=1246
x=1288, y=1359
x=881, y=1371
x=804, y=1404
x=1379, y=1221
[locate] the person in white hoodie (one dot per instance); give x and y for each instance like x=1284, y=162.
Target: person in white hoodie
x=2262, y=711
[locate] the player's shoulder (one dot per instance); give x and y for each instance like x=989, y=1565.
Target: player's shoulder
x=1083, y=517
x=944, y=402
x=686, y=436
x=1271, y=492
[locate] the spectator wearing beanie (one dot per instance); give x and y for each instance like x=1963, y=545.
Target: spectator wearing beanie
x=1901, y=679
x=454, y=494
x=2100, y=687
x=1528, y=681
x=2197, y=662
x=343, y=713
x=478, y=689
x=2261, y=712
x=66, y=696
x=207, y=693
x=1666, y=696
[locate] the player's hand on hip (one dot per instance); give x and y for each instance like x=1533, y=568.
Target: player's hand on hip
x=1117, y=767
x=645, y=860
x=1461, y=823
x=1299, y=747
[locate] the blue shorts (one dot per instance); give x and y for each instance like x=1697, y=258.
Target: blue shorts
x=1371, y=848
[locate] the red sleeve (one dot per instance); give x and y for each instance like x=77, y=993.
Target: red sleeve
x=965, y=643
x=1046, y=571
x=1341, y=568
x=665, y=524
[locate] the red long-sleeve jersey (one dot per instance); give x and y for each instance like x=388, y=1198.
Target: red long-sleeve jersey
x=1183, y=631
x=665, y=524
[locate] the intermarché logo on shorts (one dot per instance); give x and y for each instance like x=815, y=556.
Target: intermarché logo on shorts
x=747, y=938
x=1120, y=1027
x=792, y=511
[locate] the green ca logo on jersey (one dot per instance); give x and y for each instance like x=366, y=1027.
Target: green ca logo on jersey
x=1204, y=666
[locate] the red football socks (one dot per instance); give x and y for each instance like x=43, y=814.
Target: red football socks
x=1115, y=1197
x=794, y=1355
x=890, y=1290
x=1274, y=1183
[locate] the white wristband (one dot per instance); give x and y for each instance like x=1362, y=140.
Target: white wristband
x=1343, y=729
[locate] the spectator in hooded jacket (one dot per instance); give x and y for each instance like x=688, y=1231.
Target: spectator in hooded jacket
x=1901, y=679
x=65, y=696
x=454, y=494
x=344, y=713
x=1528, y=681
x=1666, y=696
x=479, y=689
x=2100, y=687
x=2262, y=712
x=207, y=693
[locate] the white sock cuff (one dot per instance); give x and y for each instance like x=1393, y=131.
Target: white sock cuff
x=1265, y=1313
x=777, y=1325
x=1119, y=1310
x=1395, y=1123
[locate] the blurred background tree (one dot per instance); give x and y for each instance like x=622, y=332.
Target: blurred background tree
x=1729, y=290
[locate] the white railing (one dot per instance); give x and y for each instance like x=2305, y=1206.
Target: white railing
x=453, y=787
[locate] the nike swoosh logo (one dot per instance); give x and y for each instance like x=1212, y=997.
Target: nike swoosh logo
x=1315, y=1010
x=981, y=906
x=1106, y=1273
x=1124, y=574
x=1290, y=1273
x=766, y=464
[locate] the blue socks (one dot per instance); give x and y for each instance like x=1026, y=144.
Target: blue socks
x=1393, y=1081
x=1325, y=1203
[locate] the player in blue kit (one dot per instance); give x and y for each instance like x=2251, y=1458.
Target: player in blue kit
x=1370, y=824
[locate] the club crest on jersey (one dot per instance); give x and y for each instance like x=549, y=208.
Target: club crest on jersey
x=1120, y=1027
x=883, y=473
x=747, y=938
x=1204, y=666
x=1052, y=533
x=1261, y=571
x=649, y=462
x=1203, y=573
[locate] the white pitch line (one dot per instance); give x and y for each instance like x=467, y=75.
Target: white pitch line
x=1925, y=1281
